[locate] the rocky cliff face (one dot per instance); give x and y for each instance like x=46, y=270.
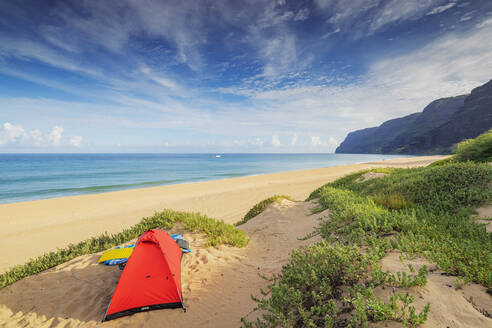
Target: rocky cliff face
x=442, y=123
x=373, y=140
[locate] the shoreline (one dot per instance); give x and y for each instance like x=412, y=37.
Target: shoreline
x=112, y=187
x=32, y=228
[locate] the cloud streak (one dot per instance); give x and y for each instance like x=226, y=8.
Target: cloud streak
x=223, y=70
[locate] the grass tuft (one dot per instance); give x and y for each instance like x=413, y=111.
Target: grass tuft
x=261, y=206
x=217, y=231
x=393, y=201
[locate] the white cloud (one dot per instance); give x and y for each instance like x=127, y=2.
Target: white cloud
x=158, y=79
x=258, y=142
x=12, y=133
x=293, y=141
x=326, y=35
x=440, y=9
x=484, y=23
x=466, y=17
x=393, y=86
x=55, y=135
x=315, y=141
x=76, y=141
x=37, y=137
x=332, y=144
x=279, y=54
x=302, y=15
x=325, y=146
x=16, y=135
x=28, y=50
x=366, y=17
x=275, y=141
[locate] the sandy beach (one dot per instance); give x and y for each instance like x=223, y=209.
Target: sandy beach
x=217, y=282
x=30, y=229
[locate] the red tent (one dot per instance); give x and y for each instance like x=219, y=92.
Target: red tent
x=151, y=278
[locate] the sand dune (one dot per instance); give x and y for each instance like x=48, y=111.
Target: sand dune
x=452, y=306
x=30, y=229
x=218, y=282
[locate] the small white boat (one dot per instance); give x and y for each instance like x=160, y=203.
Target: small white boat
x=217, y=156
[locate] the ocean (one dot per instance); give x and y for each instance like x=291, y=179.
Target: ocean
x=26, y=177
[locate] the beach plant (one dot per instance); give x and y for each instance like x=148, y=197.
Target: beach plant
x=304, y=293
x=217, y=232
x=261, y=206
x=435, y=225
x=368, y=308
x=439, y=189
x=477, y=150
x=417, y=212
x=399, y=279
x=311, y=291
x=441, y=162
x=394, y=201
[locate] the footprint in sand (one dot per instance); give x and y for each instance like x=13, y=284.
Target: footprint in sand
x=204, y=259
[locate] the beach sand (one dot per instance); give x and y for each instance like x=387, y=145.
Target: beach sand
x=30, y=229
x=218, y=282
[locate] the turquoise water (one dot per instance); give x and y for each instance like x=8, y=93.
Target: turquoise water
x=37, y=176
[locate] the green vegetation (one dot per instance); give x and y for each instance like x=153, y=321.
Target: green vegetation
x=477, y=150
x=441, y=162
x=261, y=206
x=436, y=225
x=418, y=212
x=311, y=291
x=217, y=232
x=447, y=188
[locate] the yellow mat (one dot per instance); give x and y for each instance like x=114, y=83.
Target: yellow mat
x=120, y=253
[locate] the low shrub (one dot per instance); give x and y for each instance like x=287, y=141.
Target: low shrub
x=477, y=150
x=420, y=211
x=433, y=225
x=306, y=291
x=447, y=188
x=321, y=287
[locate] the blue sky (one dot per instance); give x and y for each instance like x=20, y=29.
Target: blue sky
x=228, y=76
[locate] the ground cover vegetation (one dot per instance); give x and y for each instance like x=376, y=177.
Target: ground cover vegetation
x=417, y=212
x=217, y=232
x=261, y=206
x=476, y=150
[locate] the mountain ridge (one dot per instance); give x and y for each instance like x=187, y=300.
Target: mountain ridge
x=440, y=125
